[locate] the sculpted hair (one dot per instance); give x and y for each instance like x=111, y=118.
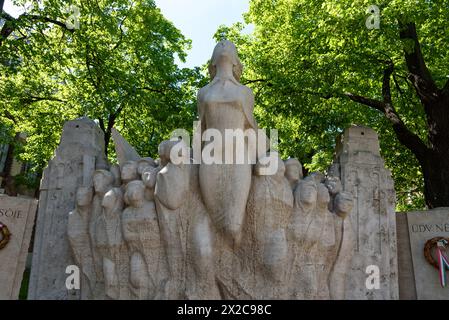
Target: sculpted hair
x=237, y=67
x=107, y=175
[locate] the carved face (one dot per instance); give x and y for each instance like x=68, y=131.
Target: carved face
x=102, y=181
x=129, y=171
x=224, y=48
x=135, y=192
x=149, y=177
x=292, y=173
x=164, y=151
x=84, y=196
x=109, y=200
x=145, y=163
x=307, y=192
x=343, y=203
x=115, y=170
x=225, y=51
x=323, y=196
x=333, y=184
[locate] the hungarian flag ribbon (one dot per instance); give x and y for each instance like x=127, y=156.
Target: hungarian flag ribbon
x=443, y=262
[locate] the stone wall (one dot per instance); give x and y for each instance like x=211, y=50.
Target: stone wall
x=417, y=278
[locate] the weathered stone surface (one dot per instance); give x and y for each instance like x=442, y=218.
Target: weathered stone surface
x=359, y=165
x=18, y=215
x=423, y=226
x=125, y=152
x=406, y=276
x=217, y=230
x=252, y=230
x=80, y=152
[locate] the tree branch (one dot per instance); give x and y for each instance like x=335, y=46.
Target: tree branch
x=404, y=135
x=419, y=73
x=121, y=34
x=9, y=116
x=11, y=23
x=375, y=104
x=33, y=99
x=446, y=88
x=151, y=90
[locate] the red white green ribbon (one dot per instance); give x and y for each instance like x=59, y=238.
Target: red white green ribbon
x=443, y=262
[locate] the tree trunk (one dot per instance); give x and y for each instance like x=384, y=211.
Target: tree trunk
x=435, y=164
x=435, y=169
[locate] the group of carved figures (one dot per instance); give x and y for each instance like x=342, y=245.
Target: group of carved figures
x=153, y=229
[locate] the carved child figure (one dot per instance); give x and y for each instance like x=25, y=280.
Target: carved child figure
x=302, y=239
x=293, y=172
x=103, y=181
x=171, y=194
x=141, y=232
x=324, y=253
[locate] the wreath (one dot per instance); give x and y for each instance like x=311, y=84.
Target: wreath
x=6, y=235
x=430, y=247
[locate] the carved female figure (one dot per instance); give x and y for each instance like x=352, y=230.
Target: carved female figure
x=324, y=253
x=226, y=104
x=142, y=235
x=302, y=239
x=171, y=198
x=103, y=181
x=110, y=243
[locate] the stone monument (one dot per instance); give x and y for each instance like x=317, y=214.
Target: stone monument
x=363, y=174
x=16, y=224
x=237, y=223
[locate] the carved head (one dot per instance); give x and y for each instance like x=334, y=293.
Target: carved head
x=115, y=170
x=226, y=50
x=84, y=196
x=149, y=177
x=144, y=163
x=103, y=181
x=113, y=201
x=333, y=184
x=129, y=171
x=323, y=196
x=343, y=204
x=165, y=148
x=135, y=193
x=270, y=165
x=293, y=171
x=307, y=193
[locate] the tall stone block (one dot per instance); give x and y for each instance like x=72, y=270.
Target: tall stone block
x=17, y=215
x=80, y=152
x=417, y=230
x=363, y=173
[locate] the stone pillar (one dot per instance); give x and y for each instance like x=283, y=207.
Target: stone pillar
x=80, y=152
x=17, y=215
x=363, y=173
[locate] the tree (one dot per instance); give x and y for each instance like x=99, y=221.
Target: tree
x=111, y=60
x=321, y=66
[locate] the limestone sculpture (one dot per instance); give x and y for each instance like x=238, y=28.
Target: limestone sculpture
x=167, y=229
x=226, y=104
